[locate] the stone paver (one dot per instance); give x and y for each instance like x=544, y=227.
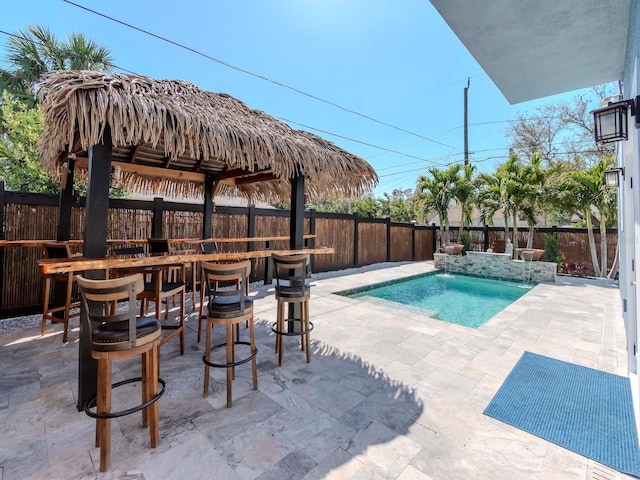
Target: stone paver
x=389, y=394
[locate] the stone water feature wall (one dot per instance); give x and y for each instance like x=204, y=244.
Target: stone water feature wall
x=496, y=265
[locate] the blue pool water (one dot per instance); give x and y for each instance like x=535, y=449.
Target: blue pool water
x=468, y=301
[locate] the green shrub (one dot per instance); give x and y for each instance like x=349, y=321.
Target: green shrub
x=465, y=240
x=551, y=251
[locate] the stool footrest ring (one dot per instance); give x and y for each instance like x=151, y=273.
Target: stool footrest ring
x=229, y=365
x=91, y=403
x=287, y=332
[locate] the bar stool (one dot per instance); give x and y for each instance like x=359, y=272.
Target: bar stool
x=229, y=305
x=58, y=250
x=291, y=272
x=162, y=246
x=117, y=336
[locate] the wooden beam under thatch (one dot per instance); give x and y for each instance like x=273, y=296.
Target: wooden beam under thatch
x=174, y=126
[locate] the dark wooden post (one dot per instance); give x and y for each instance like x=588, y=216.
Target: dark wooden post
x=156, y=223
x=95, y=246
x=251, y=233
x=63, y=234
x=433, y=238
x=485, y=231
x=413, y=241
x=312, y=231
x=296, y=222
x=251, y=226
x=207, y=224
x=388, y=239
x=296, y=235
x=356, y=240
x=2, y=237
x=65, y=204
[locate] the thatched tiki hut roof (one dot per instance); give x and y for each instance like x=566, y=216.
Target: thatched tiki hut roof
x=168, y=134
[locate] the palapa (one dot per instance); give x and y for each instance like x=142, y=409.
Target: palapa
x=168, y=134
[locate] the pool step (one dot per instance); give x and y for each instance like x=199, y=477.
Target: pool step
x=398, y=306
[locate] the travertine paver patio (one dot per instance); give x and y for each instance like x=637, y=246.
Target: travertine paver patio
x=388, y=394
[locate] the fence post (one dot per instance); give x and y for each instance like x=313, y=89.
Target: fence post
x=356, y=222
x=413, y=240
x=2, y=237
x=251, y=226
x=388, y=239
x=433, y=238
x=156, y=222
x=311, y=242
x=485, y=231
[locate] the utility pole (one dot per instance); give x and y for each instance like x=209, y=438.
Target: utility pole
x=466, y=128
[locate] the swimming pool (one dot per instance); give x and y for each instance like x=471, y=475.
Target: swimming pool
x=468, y=301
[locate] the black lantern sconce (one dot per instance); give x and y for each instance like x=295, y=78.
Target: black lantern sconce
x=612, y=177
x=611, y=122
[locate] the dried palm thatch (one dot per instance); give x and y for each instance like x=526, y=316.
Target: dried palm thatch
x=174, y=126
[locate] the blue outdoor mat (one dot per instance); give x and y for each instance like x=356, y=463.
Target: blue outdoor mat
x=581, y=409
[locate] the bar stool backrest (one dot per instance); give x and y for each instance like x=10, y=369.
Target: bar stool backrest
x=227, y=283
x=209, y=247
x=158, y=246
x=291, y=272
x=57, y=250
x=99, y=298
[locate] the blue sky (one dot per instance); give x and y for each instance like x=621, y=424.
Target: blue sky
x=397, y=62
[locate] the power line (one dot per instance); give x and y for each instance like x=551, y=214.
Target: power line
x=253, y=74
x=358, y=141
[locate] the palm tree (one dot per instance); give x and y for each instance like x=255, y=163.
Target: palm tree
x=436, y=193
x=585, y=191
x=500, y=192
x=32, y=53
x=464, y=194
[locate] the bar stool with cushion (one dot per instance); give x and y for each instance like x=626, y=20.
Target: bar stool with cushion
x=229, y=304
x=159, y=288
x=292, y=287
x=117, y=336
x=58, y=250
x=212, y=247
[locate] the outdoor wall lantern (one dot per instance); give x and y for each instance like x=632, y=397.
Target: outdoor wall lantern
x=612, y=177
x=611, y=121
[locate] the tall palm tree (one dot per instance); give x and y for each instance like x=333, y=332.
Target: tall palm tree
x=436, y=192
x=501, y=191
x=33, y=52
x=585, y=191
x=464, y=194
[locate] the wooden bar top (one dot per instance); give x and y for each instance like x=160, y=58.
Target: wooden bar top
x=79, y=264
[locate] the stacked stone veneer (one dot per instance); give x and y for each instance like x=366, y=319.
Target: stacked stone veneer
x=496, y=265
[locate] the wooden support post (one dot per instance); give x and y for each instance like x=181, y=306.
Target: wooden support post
x=296, y=225
x=156, y=223
x=296, y=236
x=311, y=242
x=95, y=246
x=207, y=223
x=433, y=239
x=65, y=204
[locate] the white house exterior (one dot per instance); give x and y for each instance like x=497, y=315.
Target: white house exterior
x=535, y=49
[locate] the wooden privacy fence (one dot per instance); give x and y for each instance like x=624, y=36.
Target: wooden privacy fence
x=357, y=241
